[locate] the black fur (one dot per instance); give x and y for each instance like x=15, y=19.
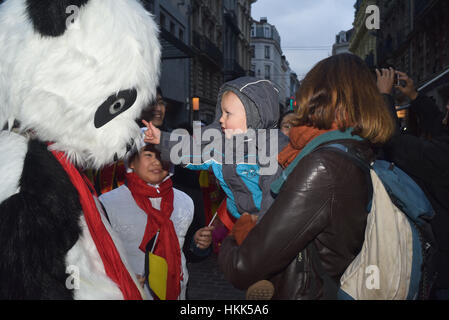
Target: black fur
x=38, y=226
x=49, y=17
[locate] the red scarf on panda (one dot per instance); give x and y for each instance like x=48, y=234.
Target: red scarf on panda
x=113, y=264
x=167, y=245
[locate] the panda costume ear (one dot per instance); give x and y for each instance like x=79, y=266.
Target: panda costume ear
x=49, y=16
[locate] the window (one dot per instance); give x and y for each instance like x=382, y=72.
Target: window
x=162, y=20
x=253, y=31
x=181, y=34
x=267, y=32
x=268, y=72
x=172, y=28
x=267, y=52
x=253, y=51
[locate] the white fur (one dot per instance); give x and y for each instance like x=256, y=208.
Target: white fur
x=94, y=284
x=13, y=148
x=55, y=85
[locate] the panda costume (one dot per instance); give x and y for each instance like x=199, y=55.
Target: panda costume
x=74, y=74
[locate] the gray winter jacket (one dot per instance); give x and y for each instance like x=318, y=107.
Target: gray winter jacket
x=246, y=176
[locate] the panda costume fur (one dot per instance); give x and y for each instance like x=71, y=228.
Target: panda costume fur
x=75, y=74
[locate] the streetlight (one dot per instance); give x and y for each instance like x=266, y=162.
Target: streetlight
x=196, y=108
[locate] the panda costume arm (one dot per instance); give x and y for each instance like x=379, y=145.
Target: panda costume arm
x=32, y=259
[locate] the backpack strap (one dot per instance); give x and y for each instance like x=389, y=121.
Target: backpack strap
x=365, y=167
x=311, y=146
x=329, y=284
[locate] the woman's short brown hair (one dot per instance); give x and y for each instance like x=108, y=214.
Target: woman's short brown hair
x=342, y=90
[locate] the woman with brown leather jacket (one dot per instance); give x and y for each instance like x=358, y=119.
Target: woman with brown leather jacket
x=315, y=227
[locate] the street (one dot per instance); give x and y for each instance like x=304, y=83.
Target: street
x=206, y=282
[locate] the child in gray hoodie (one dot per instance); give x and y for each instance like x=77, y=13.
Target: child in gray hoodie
x=247, y=115
x=244, y=105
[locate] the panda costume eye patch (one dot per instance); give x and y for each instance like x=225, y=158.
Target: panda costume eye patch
x=113, y=106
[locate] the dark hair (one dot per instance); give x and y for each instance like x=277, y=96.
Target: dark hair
x=341, y=90
x=148, y=147
x=151, y=148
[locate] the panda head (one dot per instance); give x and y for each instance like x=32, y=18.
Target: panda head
x=78, y=73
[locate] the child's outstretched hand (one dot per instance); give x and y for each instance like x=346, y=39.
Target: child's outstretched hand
x=153, y=134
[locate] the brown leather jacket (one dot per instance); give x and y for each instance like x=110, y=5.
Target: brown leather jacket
x=321, y=211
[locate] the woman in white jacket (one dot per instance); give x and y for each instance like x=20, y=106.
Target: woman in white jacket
x=148, y=204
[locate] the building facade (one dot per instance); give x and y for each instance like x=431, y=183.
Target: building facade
x=207, y=64
x=237, y=29
x=268, y=61
x=204, y=43
x=342, y=42
x=414, y=38
x=173, y=19
x=363, y=41
x=291, y=85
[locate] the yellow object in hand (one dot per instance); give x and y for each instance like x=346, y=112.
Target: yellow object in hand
x=157, y=278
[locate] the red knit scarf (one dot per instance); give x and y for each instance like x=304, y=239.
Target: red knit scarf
x=167, y=245
x=113, y=264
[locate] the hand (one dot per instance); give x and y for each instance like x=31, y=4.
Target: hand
x=153, y=134
x=385, y=80
x=140, y=279
x=253, y=217
x=409, y=89
x=203, y=237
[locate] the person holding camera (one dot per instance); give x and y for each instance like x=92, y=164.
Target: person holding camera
x=424, y=157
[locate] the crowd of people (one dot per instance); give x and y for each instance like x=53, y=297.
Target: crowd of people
x=295, y=242
x=334, y=200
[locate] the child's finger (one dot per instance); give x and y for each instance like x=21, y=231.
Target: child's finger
x=206, y=234
x=203, y=244
x=152, y=127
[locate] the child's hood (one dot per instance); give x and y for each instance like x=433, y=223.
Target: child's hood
x=260, y=99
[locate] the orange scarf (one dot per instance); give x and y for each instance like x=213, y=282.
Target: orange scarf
x=299, y=138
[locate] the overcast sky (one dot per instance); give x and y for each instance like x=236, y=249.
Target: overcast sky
x=306, y=23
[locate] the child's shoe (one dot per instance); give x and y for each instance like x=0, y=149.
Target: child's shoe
x=261, y=290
